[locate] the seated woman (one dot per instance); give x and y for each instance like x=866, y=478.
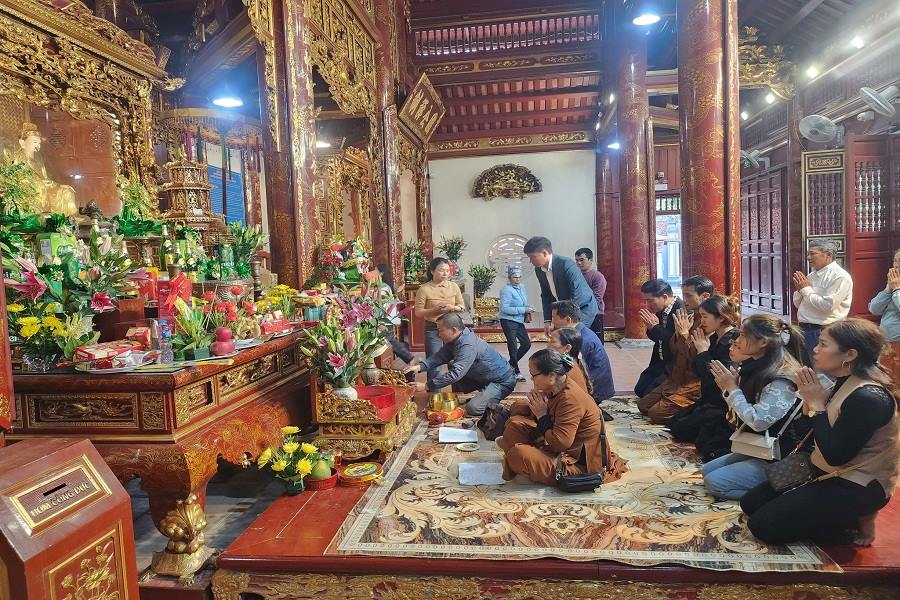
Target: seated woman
x=763, y=397
x=563, y=419
x=703, y=423
x=856, y=427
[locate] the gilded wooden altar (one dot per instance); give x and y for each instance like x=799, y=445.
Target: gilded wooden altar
x=62, y=57
x=345, y=204
x=171, y=429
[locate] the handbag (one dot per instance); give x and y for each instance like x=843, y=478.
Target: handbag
x=493, y=421
x=761, y=445
x=582, y=482
x=796, y=469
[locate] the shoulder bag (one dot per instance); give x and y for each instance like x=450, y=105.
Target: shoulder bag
x=493, y=421
x=761, y=445
x=582, y=482
x=796, y=469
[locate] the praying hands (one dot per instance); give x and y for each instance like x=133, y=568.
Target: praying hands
x=683, y=322
x=700, y=341
x=650, y=319
x=800, y=280
x=893, y=280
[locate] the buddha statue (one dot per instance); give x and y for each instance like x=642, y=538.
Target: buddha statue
x=53, y=197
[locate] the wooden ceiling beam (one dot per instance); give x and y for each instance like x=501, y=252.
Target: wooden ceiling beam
x=527, y=115
x=503, y=53
x=548, y=94
x=793, y=21
x=544, y=72
x=468, y=12
x=443, y=136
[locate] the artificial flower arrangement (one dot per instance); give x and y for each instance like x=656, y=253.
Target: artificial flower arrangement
x=246, y=242
x=281, y=298
x=415, y=264
x=350, y=336
x=138, y=216
x=294, y=460
x=192, y=336
x=340, y=261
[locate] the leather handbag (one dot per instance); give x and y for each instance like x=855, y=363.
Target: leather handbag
x=493, y=421
x=582, y=482
x=761, y=445
x=796, y=469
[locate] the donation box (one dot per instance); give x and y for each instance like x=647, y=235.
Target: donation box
x=65, y=524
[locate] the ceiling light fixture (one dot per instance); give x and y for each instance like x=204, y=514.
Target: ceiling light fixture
x=613, y=146
x=228, y=101
x=744, y=115
x=323, y=144
x=812, y=71
x=77, y=176
x=770, y=98
x=612, y=98
x=645, y=19
x=857, y=42
x=597, y=126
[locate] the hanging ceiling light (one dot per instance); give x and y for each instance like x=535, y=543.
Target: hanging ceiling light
x=770, y=98
x=857, y=42
x=744, y=115
x=612, y=98
x=613, y=145
x=228, y=101
x=812, y=71
x=323, y=144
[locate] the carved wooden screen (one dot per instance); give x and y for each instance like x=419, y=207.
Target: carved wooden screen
x=870, y=214
x=823, y=198
x=764, y=280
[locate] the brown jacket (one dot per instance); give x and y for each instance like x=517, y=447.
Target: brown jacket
x=577, y=425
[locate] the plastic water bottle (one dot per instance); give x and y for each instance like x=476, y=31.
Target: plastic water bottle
x=166, y=355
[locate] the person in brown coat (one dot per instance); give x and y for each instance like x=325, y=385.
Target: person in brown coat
x=682, y=387
x=564, y=419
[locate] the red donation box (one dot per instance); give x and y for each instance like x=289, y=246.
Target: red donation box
x=65, y=523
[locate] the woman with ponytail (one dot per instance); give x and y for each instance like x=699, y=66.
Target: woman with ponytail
x=762, y=397
x=703, y=423
x=563, y=419
x=856, y=458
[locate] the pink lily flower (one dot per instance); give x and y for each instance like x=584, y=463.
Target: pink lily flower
x=139, y=275
x=101, y=302
x=336, y=360
x=32, y=287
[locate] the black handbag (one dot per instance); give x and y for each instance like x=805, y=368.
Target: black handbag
x=493, y=421
x=796, y=469
x=582, y=482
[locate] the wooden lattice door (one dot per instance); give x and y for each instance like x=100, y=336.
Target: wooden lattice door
x=764, y=280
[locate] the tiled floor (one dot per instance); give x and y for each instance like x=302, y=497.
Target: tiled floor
x=236, y=497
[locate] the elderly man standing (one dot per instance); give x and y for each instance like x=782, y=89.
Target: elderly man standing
x=823, y=296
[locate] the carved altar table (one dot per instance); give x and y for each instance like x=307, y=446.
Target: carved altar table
x=170, y=429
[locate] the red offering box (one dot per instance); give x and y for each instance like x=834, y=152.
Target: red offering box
x=383, y=398
x=106, y=350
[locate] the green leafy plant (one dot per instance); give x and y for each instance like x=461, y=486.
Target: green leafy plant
x=192, y=328
x=19, y=191
x=483, y=278
x=453, y=247
x=246, y=241
x=415, y=264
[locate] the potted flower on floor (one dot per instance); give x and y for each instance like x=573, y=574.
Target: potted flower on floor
x=294, y=461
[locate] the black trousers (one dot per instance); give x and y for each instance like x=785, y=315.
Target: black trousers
x=517, y=341
x=650, y=378
x=597, y=326
x=824, y=512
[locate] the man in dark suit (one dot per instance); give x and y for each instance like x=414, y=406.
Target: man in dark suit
x=560, y=279
x=659, y=319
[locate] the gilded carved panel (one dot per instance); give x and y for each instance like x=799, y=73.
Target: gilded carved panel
x=67, y=411
x=262, y=21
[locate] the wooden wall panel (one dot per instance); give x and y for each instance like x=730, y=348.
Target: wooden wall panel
x=666, y=159
x=764, y=280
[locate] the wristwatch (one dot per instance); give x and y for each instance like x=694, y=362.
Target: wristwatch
x=814, y=413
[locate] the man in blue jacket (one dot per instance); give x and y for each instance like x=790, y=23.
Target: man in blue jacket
x=599, y=371
x=560, y=279
x=472, y=366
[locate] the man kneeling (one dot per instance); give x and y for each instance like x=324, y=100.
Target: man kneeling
x=472, y=365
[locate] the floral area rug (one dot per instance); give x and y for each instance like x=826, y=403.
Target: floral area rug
x=658, y=512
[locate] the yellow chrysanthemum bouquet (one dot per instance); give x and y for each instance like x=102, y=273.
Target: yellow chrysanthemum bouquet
x=294, y=460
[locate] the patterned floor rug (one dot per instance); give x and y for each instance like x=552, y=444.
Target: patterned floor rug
x=658, y=512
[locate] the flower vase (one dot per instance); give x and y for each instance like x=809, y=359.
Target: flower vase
x=345, y=391
x=294, y=487
x=370, y=374
x=39, y=363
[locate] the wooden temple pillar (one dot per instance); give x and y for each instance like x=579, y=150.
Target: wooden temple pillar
x=709, y=136
x=387, y=235
x=289, y=139
x=608, y=258
x=635, y=170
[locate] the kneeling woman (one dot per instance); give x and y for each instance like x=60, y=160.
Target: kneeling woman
x=563, y=419
x=856, y=428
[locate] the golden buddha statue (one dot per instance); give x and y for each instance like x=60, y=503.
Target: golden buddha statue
x=53, y=197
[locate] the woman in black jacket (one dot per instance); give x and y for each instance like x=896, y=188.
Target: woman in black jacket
x=703, y=423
